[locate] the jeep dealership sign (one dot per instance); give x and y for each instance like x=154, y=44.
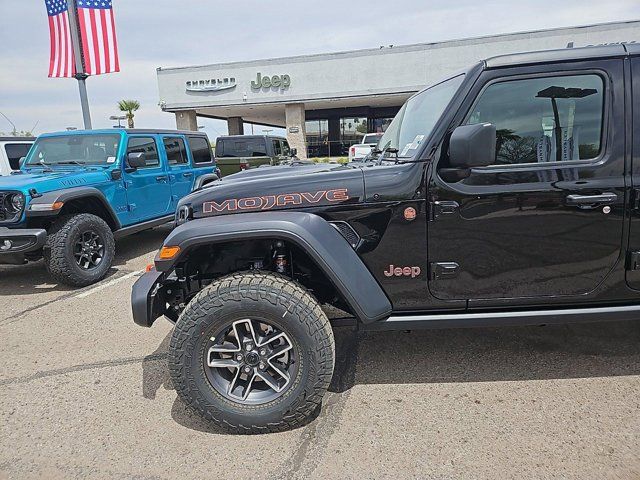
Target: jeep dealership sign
x=281, y=81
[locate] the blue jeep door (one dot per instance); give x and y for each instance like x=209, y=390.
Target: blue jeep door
x=180, y=172
x=201, y=155
x=148, y=188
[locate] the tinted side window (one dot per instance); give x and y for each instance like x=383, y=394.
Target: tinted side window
x=250, y=147
x=176, y=151
x=146, y=145
x=285, y=148
x=15, y=151
x=548, y=119
x=200, y=149
x=276, y=147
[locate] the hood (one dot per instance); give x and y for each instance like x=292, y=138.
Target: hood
x=281, y=171
x=279, y=188
x=47, y=181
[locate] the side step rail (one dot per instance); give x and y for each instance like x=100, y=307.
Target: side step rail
x=511, y=318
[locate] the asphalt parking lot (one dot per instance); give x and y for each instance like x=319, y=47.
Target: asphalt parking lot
x=85, y=393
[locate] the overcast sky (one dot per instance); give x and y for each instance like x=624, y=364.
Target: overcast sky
x=177, y=33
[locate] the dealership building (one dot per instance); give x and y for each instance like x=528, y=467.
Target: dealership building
x=327, y=102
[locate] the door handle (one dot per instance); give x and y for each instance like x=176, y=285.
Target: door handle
x=591, y=201
x=187, y=174
x=161, y=178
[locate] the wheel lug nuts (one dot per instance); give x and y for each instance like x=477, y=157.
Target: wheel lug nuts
x=261, y=366
x=247, y=369
x=248, y=347
x=239, y=357
x=263, y=351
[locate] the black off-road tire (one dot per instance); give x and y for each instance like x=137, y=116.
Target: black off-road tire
x=58, y=250
x=273, y=297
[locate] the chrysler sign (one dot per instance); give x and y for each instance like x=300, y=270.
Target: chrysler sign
x=211, y=85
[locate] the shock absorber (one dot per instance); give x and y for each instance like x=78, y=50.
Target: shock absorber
x=280, y=258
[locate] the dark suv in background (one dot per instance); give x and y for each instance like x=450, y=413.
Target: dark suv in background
x=242, y=152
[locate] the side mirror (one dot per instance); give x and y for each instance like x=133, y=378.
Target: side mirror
x=473, y=146
x=21, y=162
x=293, y=152
x=136, y=160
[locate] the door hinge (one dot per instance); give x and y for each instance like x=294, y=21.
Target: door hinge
x=635, y=202
x=633, y=261
x=443, y=270
x=440, y=208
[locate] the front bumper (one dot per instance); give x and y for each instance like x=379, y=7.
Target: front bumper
x=15, y=242
x=147, y=299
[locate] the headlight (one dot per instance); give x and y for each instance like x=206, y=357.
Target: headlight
x=17, y=202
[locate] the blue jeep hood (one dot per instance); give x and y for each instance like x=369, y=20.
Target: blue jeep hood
x=60, y=179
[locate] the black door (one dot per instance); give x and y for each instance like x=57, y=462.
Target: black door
x=633, y=274
x=546, y=220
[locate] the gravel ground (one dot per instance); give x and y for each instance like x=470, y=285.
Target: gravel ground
x=85, y=393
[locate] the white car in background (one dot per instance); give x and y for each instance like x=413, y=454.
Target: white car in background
x=361, y=150
x=12, y=149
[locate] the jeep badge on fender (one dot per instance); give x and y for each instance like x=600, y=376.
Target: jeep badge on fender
x=392, y=271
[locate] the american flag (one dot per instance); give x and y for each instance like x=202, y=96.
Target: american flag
x=61, y=60
x=98, y=36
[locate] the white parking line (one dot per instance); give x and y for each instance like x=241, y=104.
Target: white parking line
x=110, y=283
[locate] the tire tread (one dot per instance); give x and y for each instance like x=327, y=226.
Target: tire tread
x=262, y=287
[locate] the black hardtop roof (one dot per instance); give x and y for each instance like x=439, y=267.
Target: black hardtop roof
x=563, y=55
x=17, y=139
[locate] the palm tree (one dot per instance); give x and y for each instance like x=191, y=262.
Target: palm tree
x=129, y=106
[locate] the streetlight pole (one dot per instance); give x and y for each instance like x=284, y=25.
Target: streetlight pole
x=80, y=75
x=118, y=118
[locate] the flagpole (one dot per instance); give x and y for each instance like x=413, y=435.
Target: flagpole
x=81, y=76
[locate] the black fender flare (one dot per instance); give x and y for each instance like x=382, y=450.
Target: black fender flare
x=323, y=243
x=206, y=178
x=67, y=195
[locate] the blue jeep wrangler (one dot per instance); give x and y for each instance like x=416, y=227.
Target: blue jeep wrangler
x=77, y=192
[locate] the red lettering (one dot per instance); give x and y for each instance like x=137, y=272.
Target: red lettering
x=209, y=207
x=269, y=202
x=249, y=203
x=313, y=197
x=337, y=195
x=289, y=199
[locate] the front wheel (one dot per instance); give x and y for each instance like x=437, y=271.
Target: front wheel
x=253, y=352
x=79, y=250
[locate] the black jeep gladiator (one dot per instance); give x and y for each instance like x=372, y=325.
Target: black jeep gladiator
x=508, y=194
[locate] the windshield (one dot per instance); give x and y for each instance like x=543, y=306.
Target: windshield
x=371, y=139
x=417, y=117
x=72, y=149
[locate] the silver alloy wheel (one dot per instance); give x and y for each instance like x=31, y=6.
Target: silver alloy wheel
x=88, y=250
x=251, y=361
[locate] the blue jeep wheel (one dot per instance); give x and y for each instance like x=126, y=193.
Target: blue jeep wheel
x=79, y=249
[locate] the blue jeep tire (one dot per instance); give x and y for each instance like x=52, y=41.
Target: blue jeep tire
x=79, y=250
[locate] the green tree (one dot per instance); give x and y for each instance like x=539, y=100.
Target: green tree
x=128, y=107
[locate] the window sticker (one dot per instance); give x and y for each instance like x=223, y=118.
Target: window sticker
x=413, y=145
x=111, y=159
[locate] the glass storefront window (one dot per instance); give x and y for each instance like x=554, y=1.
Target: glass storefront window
x=380, y=124
x=317, y=137
x=352, y=130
